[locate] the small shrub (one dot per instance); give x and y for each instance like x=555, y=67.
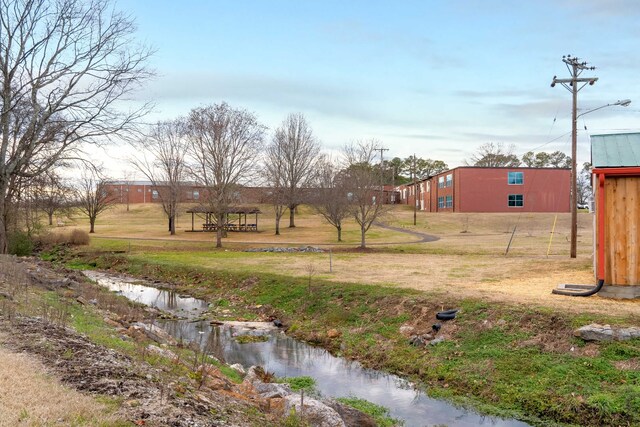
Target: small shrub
x=295, y=420
x=79, y=237
x=264, y=376
x=20, y=243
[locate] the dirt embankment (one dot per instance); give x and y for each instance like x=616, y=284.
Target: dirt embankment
x=139, y=389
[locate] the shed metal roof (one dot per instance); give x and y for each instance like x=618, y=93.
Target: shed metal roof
x=615, y=150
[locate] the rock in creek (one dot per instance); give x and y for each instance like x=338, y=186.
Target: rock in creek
x=282, y=400
x=153, y=332
x=352, y=417
x=596, y=332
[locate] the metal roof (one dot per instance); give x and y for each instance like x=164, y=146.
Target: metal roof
x=615, y=150
x=229, y=210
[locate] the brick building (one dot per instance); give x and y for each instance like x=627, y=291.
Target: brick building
x=134, y=192
x=480, y=189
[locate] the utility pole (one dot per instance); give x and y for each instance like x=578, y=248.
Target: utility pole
x=393, y=185
x=381, y=150
x=415, y=189
x=575, y=68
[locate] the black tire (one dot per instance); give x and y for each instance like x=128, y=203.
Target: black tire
x=446, y=315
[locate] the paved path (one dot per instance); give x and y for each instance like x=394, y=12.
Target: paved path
x=424, y=237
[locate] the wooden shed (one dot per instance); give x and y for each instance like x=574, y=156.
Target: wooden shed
x=616, y=182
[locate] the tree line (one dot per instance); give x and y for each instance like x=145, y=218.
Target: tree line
x=491, y=155
x=66, y=67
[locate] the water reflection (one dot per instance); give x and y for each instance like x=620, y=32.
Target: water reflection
x=167, y=301
x=285, y=356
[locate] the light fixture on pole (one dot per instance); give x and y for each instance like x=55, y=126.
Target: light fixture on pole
x=622, y=103
x=576, y=68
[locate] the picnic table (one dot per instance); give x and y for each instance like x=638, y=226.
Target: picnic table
x=240, y=225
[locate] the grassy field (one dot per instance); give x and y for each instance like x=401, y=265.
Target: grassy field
x=468, y=260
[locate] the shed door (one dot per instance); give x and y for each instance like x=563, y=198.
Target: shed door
x=622, y=217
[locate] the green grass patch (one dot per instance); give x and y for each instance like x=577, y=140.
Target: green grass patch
x=305, y=383
x=86, y=321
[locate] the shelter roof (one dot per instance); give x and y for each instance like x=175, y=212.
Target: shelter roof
x=615, y=150
x=231, y=210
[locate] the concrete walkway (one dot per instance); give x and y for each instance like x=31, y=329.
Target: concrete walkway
x=424, y=237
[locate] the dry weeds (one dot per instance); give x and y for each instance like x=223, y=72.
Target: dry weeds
x=29, y=396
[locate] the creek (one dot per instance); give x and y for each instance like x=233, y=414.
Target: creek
x=287, y=357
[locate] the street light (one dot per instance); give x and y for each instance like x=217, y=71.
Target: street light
x=623, y=103
x=574, y=85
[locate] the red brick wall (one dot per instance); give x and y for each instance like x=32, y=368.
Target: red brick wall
x=487, y=190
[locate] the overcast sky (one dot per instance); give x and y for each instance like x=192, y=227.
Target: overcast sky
x=434, y=78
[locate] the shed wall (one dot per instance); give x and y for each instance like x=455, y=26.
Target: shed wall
x=622, y=234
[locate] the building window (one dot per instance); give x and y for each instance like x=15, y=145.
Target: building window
x=449, y=180
x=449, y=201
x=516, y=178
x=441, y=182
x=154, y=194
x=428, y=186
x=516, y=200
x=196, y=195
x=139, y=190
x=441, y=202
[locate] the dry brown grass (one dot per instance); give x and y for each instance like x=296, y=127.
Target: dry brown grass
x=74, y=236
x=28, y=396
x=147, y=221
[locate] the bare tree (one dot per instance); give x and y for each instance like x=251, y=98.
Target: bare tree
x=52, y=193
x=92, y=196
x=64, y=65
x=363, y=182
x=224, y=144
x=129, y=179
x=274, y=173
x=330, y=198
x=163, y=162
x=584, y=185
x=299, y=152
x=492, y=155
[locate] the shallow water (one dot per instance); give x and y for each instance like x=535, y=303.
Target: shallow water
x=286, y=356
